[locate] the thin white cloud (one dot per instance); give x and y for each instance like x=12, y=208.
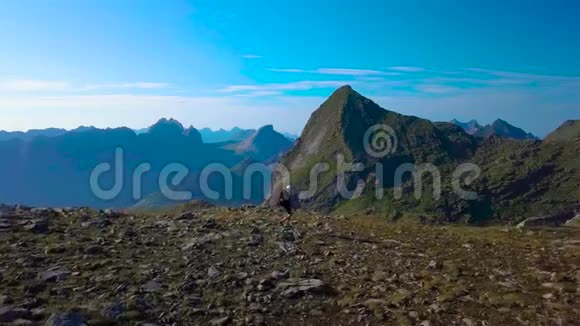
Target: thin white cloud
x=352, y=72
x=437, y=89
x=475, y=76
x=407, y=69
x=291, y=86
x=136, y=85
x=337, y=71
x=30, y=85
x=287, y=70
x=376, y=79
x=252, y=56
x=259, y=93
x=34, y=85
x=522, y=75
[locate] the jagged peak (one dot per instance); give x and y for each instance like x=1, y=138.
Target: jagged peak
x=343, y=92
x=171, y=128
x=264, y=143
x=170, y=121
x=167, y=125
x=193, y=134
x=346, y=100
x=472, y=123
x=264, y=134
x=346, y=88
x=501, y=122
x=266, y=128
x=190, y=130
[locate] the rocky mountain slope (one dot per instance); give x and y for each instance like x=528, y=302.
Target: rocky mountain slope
x=568, y=131
x=519, y=178
x=213, y=266
x=471, y=127
x=265, y=144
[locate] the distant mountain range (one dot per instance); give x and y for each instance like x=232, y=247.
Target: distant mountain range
x=208, y=135
x=223, y=135
x=472, y=127
x=28, y=135
x=498, y=128
x=235, y=134
x=53, y=167
x=261, y=148
x=33, y=133
x=519, y=177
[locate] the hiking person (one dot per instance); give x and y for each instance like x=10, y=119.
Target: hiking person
x=287, y=201
x=284, y=200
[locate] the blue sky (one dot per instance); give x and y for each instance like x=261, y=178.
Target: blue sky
x=249, y=63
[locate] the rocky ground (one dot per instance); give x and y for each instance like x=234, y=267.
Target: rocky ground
x=215, y=266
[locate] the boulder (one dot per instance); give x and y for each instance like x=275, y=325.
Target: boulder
x=186, y=216
x=39, y=225
x=575, y=221
x=113, y=311
x=297, y=287
x=54, y=274
x=99, y=222
x=11, y=313
x=201, y=240
x=551, y=220
x=66, y=319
